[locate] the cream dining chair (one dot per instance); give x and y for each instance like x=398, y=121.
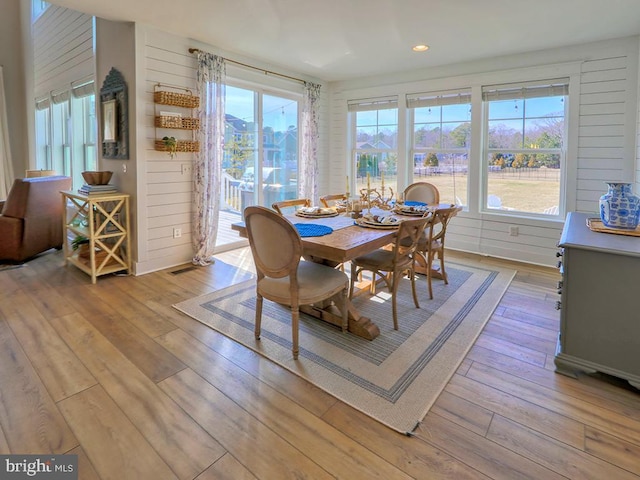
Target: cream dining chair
x=422, y=192
x=391, y=264
x=282, y=276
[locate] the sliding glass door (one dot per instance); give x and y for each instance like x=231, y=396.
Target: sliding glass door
x=260, y=163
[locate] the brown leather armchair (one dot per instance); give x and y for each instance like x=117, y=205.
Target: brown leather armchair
x=31, y=217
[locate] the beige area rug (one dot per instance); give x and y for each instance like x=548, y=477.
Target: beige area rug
x=394, y=378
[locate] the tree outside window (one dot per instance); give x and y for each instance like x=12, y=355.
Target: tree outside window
x=524, y=146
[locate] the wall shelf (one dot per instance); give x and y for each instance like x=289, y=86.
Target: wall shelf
x=182, y=146
x=182, y=117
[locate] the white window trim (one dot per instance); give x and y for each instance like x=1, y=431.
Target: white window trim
x=572, y=70
x=483, y=204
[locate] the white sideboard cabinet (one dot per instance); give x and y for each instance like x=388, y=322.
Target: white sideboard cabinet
x=599, y=302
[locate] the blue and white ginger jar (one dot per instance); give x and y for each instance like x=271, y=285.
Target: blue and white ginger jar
x=619, y=207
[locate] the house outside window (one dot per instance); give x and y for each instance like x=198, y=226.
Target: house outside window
x=441, y=138
x=524, y=146
x=261, y=148
x=374, y=124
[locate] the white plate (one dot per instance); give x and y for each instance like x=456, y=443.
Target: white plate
x=381, y=226
x=412, y=211
x=317, y=214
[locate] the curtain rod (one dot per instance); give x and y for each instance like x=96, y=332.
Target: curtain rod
x=266, y=72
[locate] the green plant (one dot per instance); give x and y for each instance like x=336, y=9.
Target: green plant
x=79, y=240
x=171, y=145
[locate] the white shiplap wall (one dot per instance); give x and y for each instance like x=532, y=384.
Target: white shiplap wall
x=604, y=139
x=164, y=193
x=63, y=49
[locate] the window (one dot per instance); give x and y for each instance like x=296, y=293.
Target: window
x=524, y=145
x=441, y=139
x=65, y=128
x=60, y=136
x=84, y=130
x=375, y=156
x=37, y=8
x=43, y=134
x=272, y=162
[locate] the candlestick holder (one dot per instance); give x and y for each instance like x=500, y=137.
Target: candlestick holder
x=372, y=198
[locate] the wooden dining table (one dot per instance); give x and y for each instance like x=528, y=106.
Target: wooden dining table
x=346, y=242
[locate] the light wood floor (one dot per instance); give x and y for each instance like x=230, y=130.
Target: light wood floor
x=113, y=373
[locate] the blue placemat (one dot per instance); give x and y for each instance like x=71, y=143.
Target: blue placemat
x=410, y=203
x=312, y=229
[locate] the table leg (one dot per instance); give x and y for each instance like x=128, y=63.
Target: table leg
x=358, y=325
x=421, y=267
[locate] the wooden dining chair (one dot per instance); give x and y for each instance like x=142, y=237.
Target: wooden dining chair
x=296, y=202
x=391, y=264
x=281, y=275
x=329, y=200
x=431, y=244
x=422, y=192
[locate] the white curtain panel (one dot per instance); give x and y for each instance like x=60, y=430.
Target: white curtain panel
x=6, y=169
x=208, y=167
x=308, y=178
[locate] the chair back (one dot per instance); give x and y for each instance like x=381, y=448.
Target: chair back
x=409, y=234
x=275, y=243
x=422, y=192
x=296, y=202
x=336, y=197
x=438, y=229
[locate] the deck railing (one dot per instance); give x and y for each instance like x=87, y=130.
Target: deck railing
x=229, y=193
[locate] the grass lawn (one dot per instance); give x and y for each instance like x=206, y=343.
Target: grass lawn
x=517, y=191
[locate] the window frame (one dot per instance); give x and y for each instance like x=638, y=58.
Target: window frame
x=66, y=130
x=439, y=99
x=374, y=104
x=256, y=162
x=475, y=81
x=569, y=121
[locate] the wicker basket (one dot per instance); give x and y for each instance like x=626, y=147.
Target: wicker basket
x=182, y=146
x=177, y=122
x=176, y=99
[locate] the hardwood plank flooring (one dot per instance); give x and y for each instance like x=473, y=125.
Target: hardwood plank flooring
x=112, y=373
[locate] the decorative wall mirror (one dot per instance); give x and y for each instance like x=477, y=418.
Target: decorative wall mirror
x=114, y=118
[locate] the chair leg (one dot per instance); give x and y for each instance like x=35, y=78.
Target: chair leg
x=372, y=285
x=444, y=274
x=354, y=273
x=344, y=310
x=295, y=318
x=394, y=291
x=412, y=272
x=258, y=316
x=429, y=263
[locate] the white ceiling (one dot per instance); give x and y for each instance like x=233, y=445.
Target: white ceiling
x=343, y=39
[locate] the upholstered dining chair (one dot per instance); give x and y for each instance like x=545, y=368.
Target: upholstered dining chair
x=431, y=244
x=391, y=264
x=296, y=202
x=281, y=275
x=422, y=192
x=328, y=200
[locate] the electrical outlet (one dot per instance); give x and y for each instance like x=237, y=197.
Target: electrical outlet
x=187, y=168
x=513, y=231
x=177, y=232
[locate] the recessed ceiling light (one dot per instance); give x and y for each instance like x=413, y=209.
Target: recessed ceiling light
x=420, y=48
